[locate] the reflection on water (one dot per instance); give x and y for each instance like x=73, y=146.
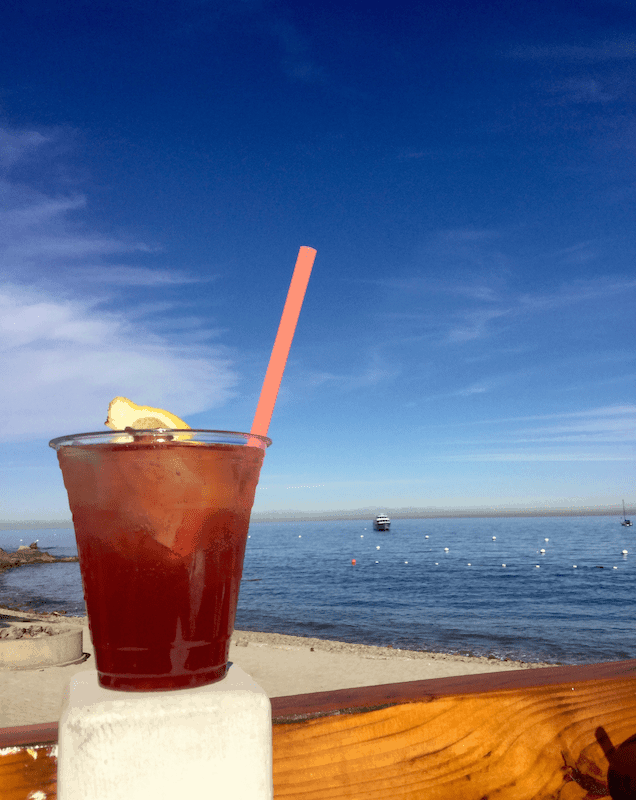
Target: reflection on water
x=564, y=595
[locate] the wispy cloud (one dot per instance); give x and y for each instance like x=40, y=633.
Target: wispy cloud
x=628, y=412
x=470, y=324
x=297, y=60
x=479, y=387
x=475, y=388
x=610, y=431
x=436, y=154
x=576, y=292
x=538, y=456
x=621, y=429
x=67, y=359
x=476, y=324
x=124, y=275
x=350, y=382
x=68, y=341
x=14, y=145
x=37, y=231
x=469, y=289
x=41, y=228
x=372, y=369
x=617, y=49
x=584, y=90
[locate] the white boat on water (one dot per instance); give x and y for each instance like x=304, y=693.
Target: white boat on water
x=381, y=523
x=626, y=522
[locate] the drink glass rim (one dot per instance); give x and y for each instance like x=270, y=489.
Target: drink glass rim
x=161, y=436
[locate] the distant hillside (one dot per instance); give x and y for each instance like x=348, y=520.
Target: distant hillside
x=34, y=524
x=432, y=513
x=369, y=513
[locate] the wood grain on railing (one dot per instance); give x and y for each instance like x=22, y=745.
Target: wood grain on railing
x=28, y=762
x=562, y=733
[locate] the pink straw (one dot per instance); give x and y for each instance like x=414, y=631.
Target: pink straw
x=282, y=343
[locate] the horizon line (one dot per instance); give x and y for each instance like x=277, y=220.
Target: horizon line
x=365, y=513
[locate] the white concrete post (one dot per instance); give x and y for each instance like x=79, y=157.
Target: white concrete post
x=211, y=742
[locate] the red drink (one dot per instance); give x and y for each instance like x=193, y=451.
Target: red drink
x=161, y=524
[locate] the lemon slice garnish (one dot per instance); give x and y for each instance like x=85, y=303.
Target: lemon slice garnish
x=123, y=413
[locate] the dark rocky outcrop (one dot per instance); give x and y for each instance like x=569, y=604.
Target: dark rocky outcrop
x=29, y=555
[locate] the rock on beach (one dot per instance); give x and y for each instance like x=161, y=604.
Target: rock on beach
x=29, y=555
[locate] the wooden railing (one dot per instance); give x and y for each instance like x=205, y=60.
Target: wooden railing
x=561, y=732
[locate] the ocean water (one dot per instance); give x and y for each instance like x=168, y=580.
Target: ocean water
x=407, y=590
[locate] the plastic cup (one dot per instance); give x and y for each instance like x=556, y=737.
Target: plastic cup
x=161, y=520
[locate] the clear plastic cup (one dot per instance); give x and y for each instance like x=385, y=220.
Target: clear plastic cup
x=161, y=520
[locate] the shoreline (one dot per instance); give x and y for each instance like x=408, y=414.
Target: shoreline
x=375, y=652
x=282, y=665
x=285, y=641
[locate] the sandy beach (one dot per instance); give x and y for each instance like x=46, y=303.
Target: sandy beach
x=282, y=665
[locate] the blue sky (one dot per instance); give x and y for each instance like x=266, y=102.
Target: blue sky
x=466, y=173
